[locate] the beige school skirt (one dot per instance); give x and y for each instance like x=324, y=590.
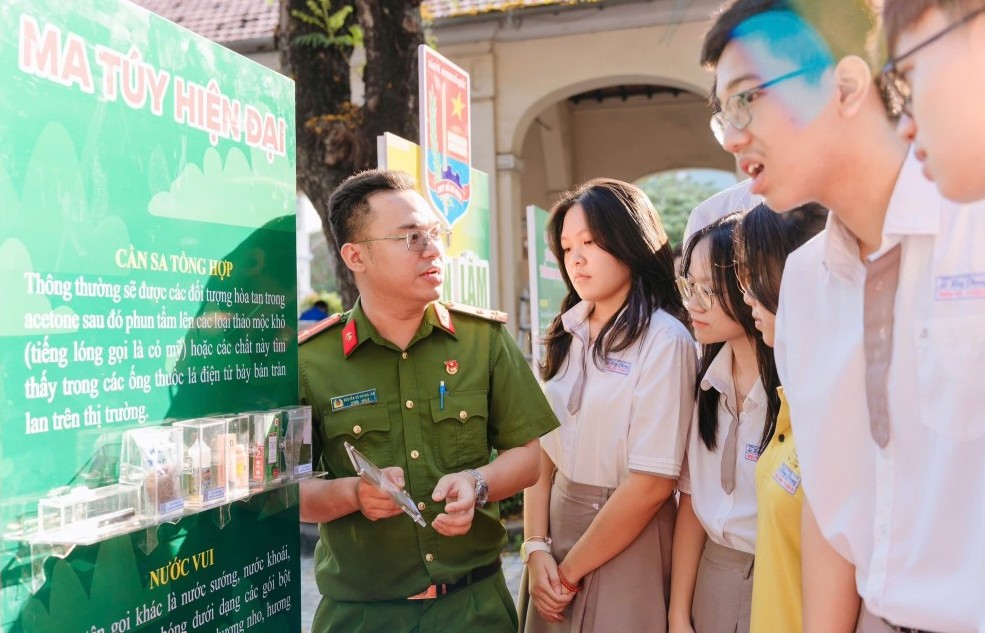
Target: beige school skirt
x=630, y=592
x=723, y=590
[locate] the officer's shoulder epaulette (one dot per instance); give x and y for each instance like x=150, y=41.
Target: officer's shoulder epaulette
x=318, y=328
x=482, y=313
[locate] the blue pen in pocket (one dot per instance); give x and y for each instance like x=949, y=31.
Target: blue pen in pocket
x=441, y=396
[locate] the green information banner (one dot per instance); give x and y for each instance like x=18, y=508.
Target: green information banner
x=547, y=288
x=148, y=274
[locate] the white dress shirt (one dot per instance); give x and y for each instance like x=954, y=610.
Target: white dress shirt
x=728, y=518
x=910, y=516
x=633, y=413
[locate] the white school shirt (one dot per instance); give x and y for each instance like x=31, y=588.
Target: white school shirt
x=634, y=412
x=728, y=518
x=911, y=516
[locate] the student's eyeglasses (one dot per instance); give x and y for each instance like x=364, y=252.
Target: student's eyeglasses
x=894, y=82
x=417, y=241
x=701, y=293
x=735, y=111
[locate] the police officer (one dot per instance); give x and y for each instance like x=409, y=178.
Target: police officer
x=427, y=390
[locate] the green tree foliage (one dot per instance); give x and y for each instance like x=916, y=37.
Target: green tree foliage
x=329, y=23
x=674, y=194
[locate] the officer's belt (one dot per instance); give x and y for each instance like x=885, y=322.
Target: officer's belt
x=479, y=573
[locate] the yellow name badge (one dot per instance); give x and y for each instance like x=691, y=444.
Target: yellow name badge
x=350, y=400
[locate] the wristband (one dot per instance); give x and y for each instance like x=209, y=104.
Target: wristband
x=566, y=584
x=534, y=544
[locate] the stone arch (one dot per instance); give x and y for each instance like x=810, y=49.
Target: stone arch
x=560, y=93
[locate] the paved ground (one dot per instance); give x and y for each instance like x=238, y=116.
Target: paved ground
x=512, y=567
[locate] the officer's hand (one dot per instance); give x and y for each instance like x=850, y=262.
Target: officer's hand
x=457, y=490
x=373, y=502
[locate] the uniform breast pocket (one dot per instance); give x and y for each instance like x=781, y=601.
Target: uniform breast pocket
x=367, y=428
x=950, y=353
x=460, y=429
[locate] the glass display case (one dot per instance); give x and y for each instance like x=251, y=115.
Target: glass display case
x=266, y=435
x=234, y=455
x=83, y=514
x=203, y=461
x=297, y=442
x=150, y=460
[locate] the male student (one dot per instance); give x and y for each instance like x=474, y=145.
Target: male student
x=937, y=76
x=881, y=327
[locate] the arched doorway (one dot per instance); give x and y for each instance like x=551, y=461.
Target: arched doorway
x=624, y=131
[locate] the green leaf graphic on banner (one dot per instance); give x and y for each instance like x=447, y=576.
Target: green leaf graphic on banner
x=226, y=194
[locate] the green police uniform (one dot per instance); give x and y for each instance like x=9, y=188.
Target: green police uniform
x=387, y=403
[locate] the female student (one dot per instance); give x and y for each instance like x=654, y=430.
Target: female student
x=763, y=241
x=736, y=409
x=620, y=365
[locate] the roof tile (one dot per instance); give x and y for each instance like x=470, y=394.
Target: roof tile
x=222, y=21
x=227, y=21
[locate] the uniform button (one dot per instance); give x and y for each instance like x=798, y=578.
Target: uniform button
x=357, y=429
x=414, y=454
x=403, y=355
x=429, y=557
x=409, y=404
x=421, y=506
x=463, y=415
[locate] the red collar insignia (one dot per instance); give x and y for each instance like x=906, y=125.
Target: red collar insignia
x=349, y=337
x=444, y=318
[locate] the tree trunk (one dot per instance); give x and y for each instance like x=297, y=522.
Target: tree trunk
x=334, y=137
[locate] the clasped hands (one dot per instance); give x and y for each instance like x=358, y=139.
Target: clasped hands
x=457, y=490
x=548, y=595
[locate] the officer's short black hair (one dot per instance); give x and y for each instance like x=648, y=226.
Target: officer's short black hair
x=348, y=207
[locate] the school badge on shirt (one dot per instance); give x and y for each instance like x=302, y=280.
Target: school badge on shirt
x=617, y=366
x=752, y=452
x=788, y=479
x=957, y=287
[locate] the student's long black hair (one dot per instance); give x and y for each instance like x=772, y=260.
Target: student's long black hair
x=725, y=284
x=622, y=222
x=764, y=239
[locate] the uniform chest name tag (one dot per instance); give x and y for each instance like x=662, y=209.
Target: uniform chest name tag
x=957, y=287
x=788, y=479
x=617, y=366
x=353, y=400
x=752, y=452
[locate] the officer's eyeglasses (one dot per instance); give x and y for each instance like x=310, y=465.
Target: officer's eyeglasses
x=894, y=82
x=735, y=111
x=417, y=241
x=701, y=293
